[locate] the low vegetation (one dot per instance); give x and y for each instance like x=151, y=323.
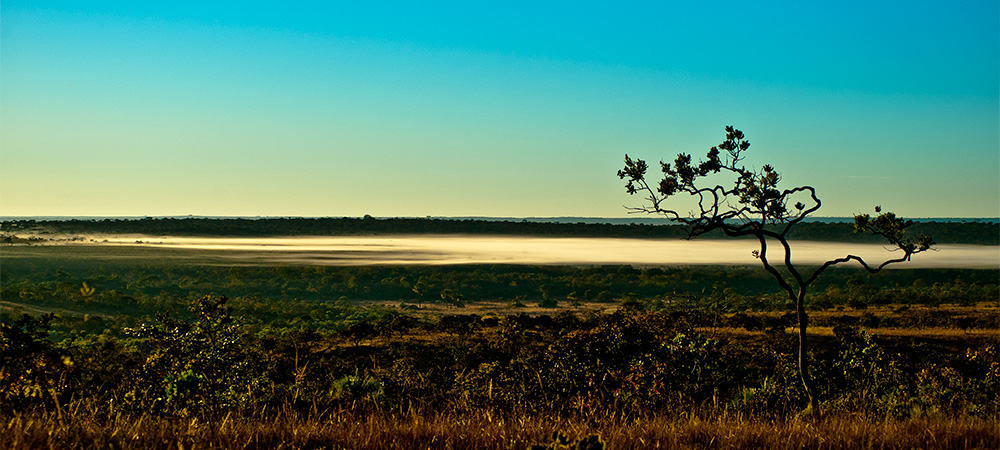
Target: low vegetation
x=633, y=378
x=98, y=354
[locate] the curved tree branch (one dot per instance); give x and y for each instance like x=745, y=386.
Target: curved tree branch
x=762, y=256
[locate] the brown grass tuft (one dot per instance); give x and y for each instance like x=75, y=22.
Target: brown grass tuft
x=482, y=430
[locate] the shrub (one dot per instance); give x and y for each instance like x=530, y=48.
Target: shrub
x=32, y=370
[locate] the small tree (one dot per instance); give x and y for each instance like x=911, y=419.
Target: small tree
x=200, y=367
x=754, y=206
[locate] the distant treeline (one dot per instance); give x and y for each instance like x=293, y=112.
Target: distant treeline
x=973, y=232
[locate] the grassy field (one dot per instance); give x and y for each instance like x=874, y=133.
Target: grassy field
x=99, y=418
x=472, y=430
x=139, y=350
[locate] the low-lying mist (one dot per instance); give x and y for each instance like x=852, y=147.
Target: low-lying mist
x=562, y=251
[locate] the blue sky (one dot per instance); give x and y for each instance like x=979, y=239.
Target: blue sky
x=489, y=109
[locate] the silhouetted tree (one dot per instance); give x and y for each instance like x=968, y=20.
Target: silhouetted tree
x=453, y=297
x=754, y=206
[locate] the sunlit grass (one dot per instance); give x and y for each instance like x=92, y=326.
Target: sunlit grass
x=485, y=430
x=941, y=332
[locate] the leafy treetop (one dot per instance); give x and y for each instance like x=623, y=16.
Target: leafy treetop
x=753, y=200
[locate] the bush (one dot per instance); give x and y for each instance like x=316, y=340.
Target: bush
x=32, y=371
x=197, y=368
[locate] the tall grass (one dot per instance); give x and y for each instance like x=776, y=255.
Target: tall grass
x=346, y=429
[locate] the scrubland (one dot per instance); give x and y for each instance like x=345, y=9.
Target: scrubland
x=105, y=352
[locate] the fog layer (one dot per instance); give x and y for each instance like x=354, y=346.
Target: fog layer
x=569, y=251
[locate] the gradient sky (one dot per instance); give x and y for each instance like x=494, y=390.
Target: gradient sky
x=488, y=108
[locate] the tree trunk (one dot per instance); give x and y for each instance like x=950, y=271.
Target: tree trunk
x=807, y=382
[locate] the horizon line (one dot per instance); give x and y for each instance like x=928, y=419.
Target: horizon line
x=430, y=217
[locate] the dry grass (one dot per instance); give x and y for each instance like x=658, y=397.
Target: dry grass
x=926, y=332
x=835, y=433
x=883, y=312
x=937, y=332
x=486, y=308
x=481, y=430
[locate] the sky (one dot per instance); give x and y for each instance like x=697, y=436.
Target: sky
x=502, y=109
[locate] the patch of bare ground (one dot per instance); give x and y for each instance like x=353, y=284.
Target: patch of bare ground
x=22, y=308
x=489, y=308
x=936, y=332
